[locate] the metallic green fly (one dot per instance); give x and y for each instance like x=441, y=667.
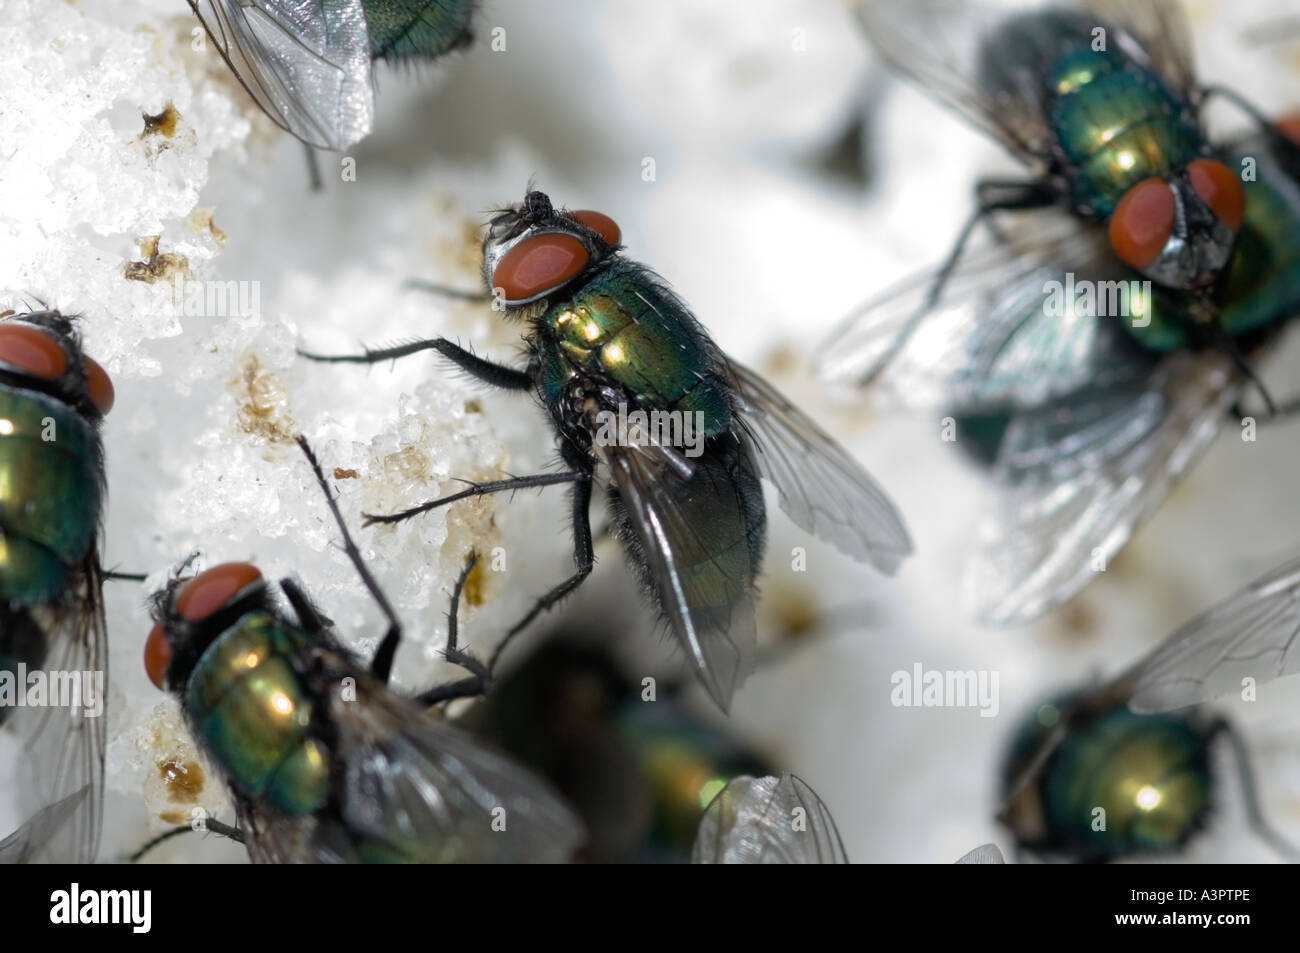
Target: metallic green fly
x=639, y=771
x=53, y=398
x=325, y=764
x=611, y=350
x=1089, y=780
x=1088, y=375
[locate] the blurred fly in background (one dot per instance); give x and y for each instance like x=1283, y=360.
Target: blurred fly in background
x=1088, y=780
x=1090, y=356
x=634, y=760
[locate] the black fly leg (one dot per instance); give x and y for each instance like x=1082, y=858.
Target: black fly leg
x=992, y=195
x=1288, y=151
x=210, y=826
x=481, y=489
x=381, y=665
x=113, y=574
x=313, y=169
x=415, y=284
x=1278, y=413
x=480, y=678
x=583, y=556
x=498, y=375
x=309, y=617
x=1254, y=813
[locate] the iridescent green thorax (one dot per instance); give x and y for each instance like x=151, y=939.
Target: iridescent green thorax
x=624, y=327
x=255, y=716
x=1261, y=285
x=1117, y=123
x=1121, y=783
x=50, y=494
x=401, y=29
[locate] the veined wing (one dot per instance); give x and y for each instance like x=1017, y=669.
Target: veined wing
x=305, y=62
x=696, y=541
x=983, y=854
x=823, y=489
x=768, y=821
x=1004, y=333
x=29, y=844
x=416, y=789
x=64, y=740
x=1253, y=634
x=1077, y=477
x=1160, y=29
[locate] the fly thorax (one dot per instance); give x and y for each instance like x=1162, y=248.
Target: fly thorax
x=582, y=333
x=255, y=715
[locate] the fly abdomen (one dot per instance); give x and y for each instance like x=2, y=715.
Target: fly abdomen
x=1150, y=774
x=1118, y=783
x=50, y=494
x=397, y=32
x=719, y=561
x=22, y=642
x=255, y=717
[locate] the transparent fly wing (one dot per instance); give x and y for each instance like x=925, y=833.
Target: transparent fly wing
x=984, y=854
x=305, y=62
x=63, y=742
x=703, y=580
x=30, y=843
x=1076, y=478
x=992, y=339
x=413, y=782
x=1159, y=29
x=940, y=44
x=823, y=489
x=991, y=276
x=1254, y=634
x=768, y=821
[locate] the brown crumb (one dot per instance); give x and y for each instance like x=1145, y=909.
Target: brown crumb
x=163, y=124
x=155, y=266
x=183, y=779
x=261, y=404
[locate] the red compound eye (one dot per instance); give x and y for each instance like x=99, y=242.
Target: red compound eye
x=213, y=588
x=600, y=223
x=157, y=656
x=1289, y=126
x=32, y=351
x=1142, y=222
x=1220, y=189
x=98, y=385
x=538, y=264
